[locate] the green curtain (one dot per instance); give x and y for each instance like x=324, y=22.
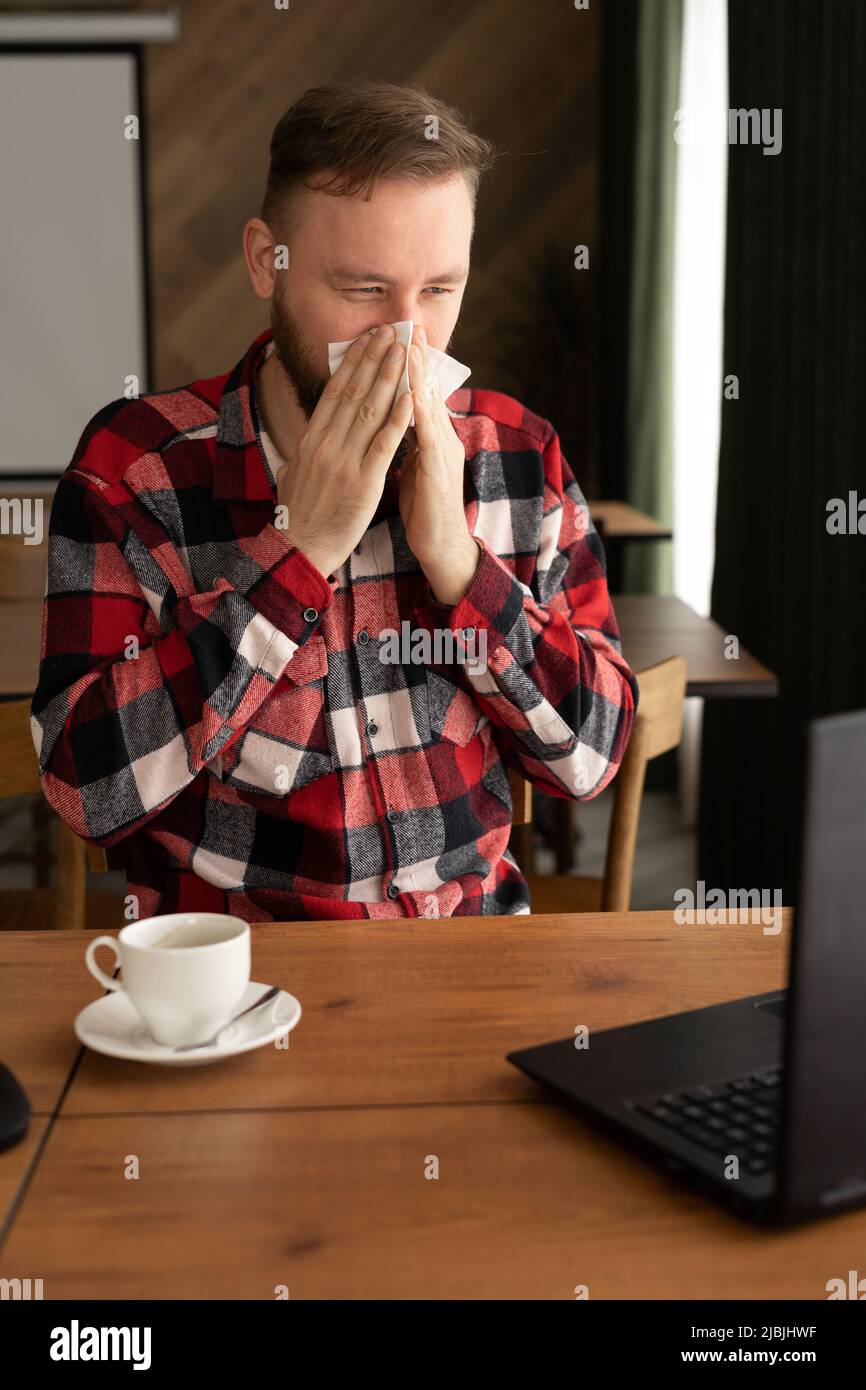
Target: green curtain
x=649, y=418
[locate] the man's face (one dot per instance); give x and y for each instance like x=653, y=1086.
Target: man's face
x=356, y=264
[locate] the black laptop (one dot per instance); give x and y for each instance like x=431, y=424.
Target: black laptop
x=775, y=1081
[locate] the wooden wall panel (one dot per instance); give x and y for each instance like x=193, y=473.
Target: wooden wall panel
x=527, y=74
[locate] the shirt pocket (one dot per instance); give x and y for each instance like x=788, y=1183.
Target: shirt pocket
x=286, y=746
x=455, y=717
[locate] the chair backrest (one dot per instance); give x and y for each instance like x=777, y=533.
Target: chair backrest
x=19, y=776
x=19, y=766
x=23, y=569
x=97, y=861
x=657, y=729
x=521, y=799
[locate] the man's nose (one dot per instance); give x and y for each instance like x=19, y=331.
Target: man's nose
x=405, y=308
x=397, y=313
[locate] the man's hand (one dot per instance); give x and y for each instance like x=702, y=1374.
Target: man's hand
x=431, y=488
x=332, y=486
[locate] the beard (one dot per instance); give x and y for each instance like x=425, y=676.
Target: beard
x=296, y=359
x=305, y=378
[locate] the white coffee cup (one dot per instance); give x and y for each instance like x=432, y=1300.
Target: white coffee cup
x=185, y=972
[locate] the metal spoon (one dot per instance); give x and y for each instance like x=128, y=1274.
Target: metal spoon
x=266, y=998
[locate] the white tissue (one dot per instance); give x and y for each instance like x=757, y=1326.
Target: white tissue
x=449, y=373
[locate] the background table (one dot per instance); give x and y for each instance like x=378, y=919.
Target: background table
x=305, y=1166
x=656, y=626
x=653, y=627
x=620, y=521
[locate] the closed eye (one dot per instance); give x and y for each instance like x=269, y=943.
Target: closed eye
x=368, y=290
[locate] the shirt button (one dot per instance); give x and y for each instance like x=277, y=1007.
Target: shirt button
x=311, y=614
x=363, y=636
x=393, y=816
x=372, y=728
x=431, y=906
x=393, y=890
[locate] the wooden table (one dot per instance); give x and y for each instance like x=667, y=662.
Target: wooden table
x=306, y=1167
x=619, y=521
x=656, y=626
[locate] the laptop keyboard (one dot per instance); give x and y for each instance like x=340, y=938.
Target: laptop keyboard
x=739, y=1117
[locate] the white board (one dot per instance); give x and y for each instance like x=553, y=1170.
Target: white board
x=72, y=301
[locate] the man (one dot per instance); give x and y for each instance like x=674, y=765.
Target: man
x=218, y=696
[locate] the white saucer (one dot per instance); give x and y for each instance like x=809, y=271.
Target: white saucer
x=112, y=1025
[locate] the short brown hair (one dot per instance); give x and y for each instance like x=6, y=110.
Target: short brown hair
x=363, y=130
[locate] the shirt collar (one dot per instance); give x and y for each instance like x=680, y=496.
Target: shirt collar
x=241, y=469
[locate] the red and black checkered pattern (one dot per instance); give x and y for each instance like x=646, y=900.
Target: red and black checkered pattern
x=214, y=709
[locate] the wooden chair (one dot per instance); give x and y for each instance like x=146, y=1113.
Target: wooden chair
x=520, y=841
x=23, y=570
x=97, y=862
x=66, y=905
x=657, y=729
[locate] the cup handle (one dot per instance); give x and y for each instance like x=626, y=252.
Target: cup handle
x=94, y=969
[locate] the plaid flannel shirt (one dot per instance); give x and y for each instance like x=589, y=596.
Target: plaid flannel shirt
x=216, y=711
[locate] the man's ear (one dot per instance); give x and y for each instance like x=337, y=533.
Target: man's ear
x=264, y=257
